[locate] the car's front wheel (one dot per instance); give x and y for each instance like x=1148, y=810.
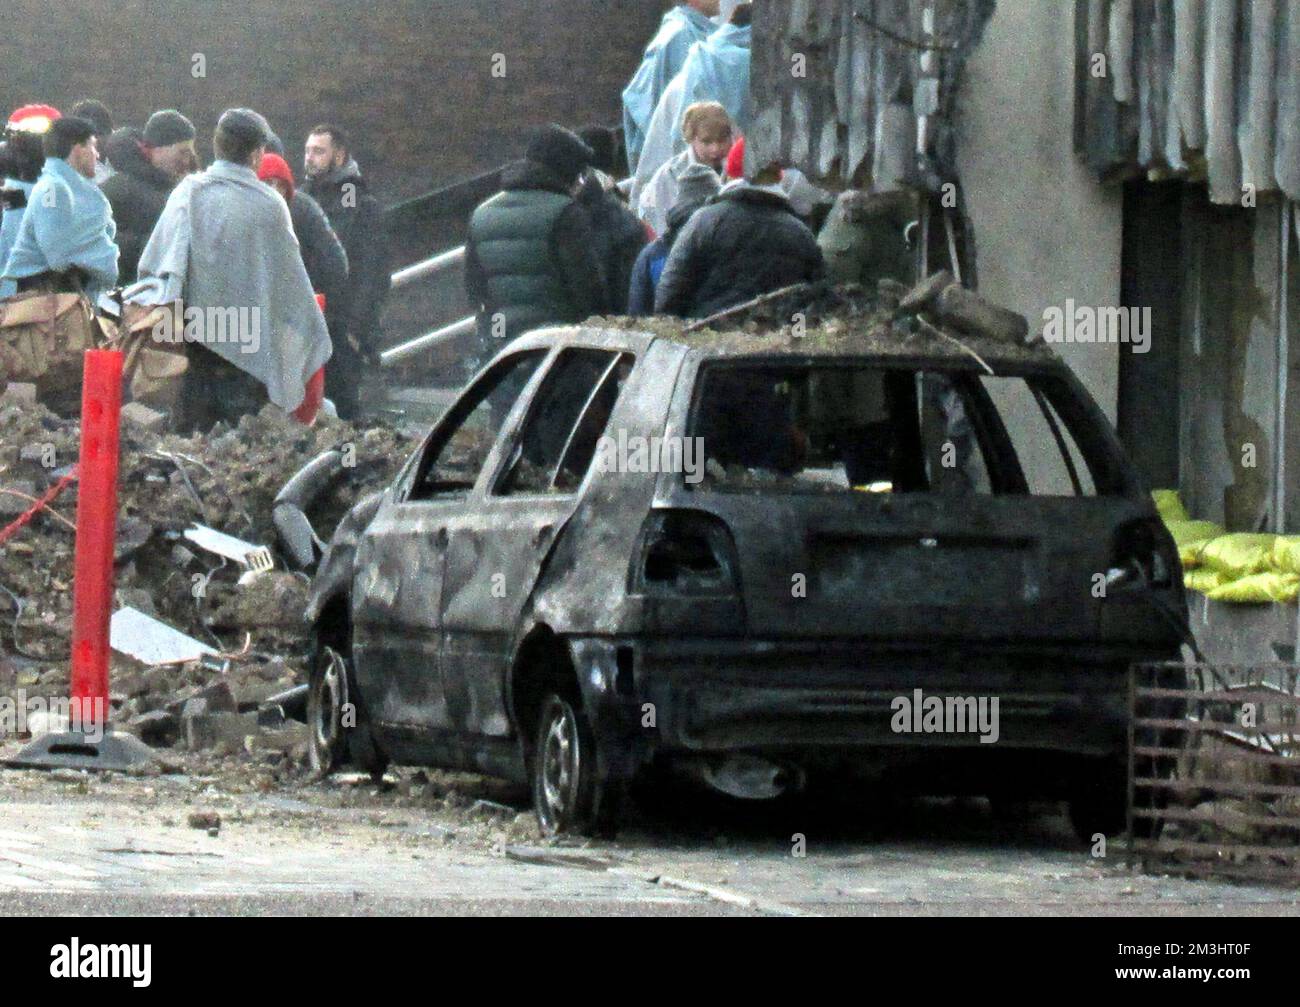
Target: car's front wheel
x=338, y=730
x=568, y=796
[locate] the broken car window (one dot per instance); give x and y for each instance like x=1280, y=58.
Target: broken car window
x=581, y=385
x=455, y=457
x=803, y=427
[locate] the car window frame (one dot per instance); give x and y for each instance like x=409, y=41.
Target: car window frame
x=492, y=487
x=457, y=413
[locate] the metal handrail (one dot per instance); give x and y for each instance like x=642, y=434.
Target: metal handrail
x=462, y=328
x=428, y=267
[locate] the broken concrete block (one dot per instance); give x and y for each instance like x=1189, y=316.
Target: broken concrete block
x=157, y=728
x=213, y=730
x=967, y=311
x=207, y=820
x=20, y=392
x=140, y=415
x=149, y=641
x=282, y=739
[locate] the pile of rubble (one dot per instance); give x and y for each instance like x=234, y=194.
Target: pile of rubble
x=227, y=480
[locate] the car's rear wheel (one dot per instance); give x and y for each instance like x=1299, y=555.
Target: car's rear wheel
x=568, y=796
x=338, y=729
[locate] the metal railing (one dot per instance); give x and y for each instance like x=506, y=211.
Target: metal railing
x=1214, y=770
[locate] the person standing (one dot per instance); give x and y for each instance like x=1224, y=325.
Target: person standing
x=224, y=247
x=334, y=180
x=98, y=115
x=148, y=165
x=696, y=187
x=23, y=158
x=709, y=134
x=530, y=257
x=682, y=27
x=65, y=243
x=749, y=241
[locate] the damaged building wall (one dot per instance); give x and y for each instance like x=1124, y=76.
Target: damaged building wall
x=1203, y=89
x=1044, y=230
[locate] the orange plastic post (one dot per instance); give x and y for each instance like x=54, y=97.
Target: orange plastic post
x=92, y=589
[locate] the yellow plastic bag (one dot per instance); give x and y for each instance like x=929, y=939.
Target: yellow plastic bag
x=1239, y=554
x=1170, y=505
x=1259, y=587
x=1190, y=536
x=1204, y=580
x=1286, y=554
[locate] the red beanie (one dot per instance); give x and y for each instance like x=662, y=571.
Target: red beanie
x=274, y=166
x=736, y=160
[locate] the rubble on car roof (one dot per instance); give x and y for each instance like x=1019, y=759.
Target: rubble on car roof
x=937, y=318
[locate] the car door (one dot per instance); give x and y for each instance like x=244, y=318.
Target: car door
x=401, y=558
x=497, y=550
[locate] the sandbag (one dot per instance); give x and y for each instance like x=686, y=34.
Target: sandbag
x=1169, y=505
x=1259, y=588
x=1286, y=554
x=154, y=371
x=1203, y=580
x=1239, y=554
x=1190, y=537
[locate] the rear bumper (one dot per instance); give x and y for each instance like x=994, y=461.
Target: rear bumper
x=828, y=699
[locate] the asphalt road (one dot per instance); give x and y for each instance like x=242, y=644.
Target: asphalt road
x=71, y=844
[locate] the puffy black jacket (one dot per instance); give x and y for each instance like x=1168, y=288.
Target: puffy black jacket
x=619, y=236
x=748, y=241
x=322, y=252
x=355, y=215
x=531, y=254
x=137, y=193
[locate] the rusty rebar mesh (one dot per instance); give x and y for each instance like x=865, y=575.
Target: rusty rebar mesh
x=1214, y=770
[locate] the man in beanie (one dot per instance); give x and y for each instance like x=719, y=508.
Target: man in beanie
x=529, y=258
x=21, y=158
x=224, y=248
x=696, y=186
x=335, y=181
x=148, y=165
x=65, y=242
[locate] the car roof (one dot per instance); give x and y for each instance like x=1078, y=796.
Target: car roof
x=836, y=339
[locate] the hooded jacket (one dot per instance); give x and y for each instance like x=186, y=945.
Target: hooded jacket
x=137, y=192
x=322, y=252
x=530, y=254
x=344, y=194
x=747, y=242
x=680, y=29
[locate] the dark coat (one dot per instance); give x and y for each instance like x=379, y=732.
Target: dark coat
x=531, y=254
x=620, y=237
x=322, y=252
x=137, y=193
x=649, y=266
x=355, y=215
x=747, y=242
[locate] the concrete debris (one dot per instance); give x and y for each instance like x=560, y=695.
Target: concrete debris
x=207, y=820
x=142, y=416
x=151, y=641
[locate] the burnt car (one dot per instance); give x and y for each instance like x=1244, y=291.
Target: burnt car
x=761, y=558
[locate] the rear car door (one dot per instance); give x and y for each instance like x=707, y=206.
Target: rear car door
x=398, y=591
x=497, y=550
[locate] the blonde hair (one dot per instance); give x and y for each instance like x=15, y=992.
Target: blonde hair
x=704, y=117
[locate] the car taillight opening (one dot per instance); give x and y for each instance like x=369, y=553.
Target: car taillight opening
x=685, y=552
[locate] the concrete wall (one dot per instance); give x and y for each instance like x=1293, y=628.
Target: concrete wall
x=1045, y=230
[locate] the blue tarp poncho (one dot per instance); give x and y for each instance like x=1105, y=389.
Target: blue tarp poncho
x=68, y=222
x=681, y=28
x=716, y=69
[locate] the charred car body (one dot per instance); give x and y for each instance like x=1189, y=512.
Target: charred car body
x=752, y=555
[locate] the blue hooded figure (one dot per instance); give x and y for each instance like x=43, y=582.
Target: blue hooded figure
x=681, y=28
x=716, y=69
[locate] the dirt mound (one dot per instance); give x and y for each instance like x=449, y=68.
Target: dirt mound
x=226, y=479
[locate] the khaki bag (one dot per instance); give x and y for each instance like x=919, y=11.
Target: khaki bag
x=42, y=339
x=153, y=371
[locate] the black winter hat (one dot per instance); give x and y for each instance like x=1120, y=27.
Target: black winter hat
x=167, y=127
x=561, y=150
